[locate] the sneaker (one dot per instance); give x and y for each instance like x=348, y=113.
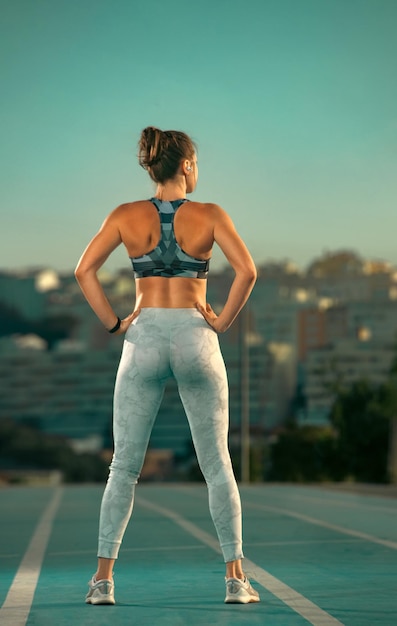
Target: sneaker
x=240, y=591
x=100, y=592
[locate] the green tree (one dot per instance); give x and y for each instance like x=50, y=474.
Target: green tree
x=55, y=328
x=25, y=447
x=361, y=416
x=304, y=454
x=11, y=321
x=51, y=328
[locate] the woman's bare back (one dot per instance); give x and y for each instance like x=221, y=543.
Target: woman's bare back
x=139, y=227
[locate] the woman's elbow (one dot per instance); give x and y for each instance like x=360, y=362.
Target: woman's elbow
x=81, y=272
x=247, y=275
x=78, y=272
x=251, y=274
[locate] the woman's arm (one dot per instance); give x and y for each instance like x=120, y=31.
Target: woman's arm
x=92, y=259
x=235, y=250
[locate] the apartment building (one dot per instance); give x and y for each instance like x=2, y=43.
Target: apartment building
x=341, y=363
x=19, y=293
x=320, y=326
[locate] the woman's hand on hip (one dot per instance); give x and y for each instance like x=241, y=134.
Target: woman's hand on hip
x=126, y=322
x=210, y=317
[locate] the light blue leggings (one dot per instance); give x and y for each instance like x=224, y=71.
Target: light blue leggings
x=161, y=343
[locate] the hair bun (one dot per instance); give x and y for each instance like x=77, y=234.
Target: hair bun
x=160, y=152
x=150, y=146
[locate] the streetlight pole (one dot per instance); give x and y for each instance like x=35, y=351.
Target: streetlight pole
x=244, y=396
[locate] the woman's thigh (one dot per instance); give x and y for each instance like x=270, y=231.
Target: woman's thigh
x=200, y=372
x=139, y=388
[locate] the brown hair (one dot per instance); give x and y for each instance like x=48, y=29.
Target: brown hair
x=161, y=152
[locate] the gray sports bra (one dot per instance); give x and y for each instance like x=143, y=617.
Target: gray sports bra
x=168, y=259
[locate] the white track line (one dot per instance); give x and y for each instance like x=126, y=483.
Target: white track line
x=73, y=553
x=255, y=544
x=318, y=522
x=330, y=502
x=388, y=543
x=16, y=607
x=298, y=603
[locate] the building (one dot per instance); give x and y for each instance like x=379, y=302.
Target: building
x=19, y=293
x=338, y=365
x=320, y=326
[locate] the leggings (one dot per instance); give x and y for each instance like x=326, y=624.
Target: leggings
x=159, y=344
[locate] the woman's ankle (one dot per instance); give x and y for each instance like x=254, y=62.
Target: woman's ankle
x=104, y=569
x=234, y=570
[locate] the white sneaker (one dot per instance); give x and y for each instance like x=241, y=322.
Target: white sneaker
x=240, y=591
x=100, y=592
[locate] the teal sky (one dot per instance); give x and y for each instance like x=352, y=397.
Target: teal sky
x=293, y=104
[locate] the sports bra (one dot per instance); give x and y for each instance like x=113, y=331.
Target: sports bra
x=168, y=259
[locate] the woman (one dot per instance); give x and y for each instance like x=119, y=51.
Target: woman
x=171, y=332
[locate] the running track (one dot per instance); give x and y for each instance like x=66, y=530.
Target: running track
x=317, y=556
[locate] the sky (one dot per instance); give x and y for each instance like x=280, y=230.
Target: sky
x=293, y=105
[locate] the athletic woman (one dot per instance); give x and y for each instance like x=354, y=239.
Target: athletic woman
x=172, y=331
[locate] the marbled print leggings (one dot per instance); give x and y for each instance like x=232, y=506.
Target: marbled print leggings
x=161, y=343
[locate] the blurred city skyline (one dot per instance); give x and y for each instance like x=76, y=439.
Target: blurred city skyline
x=282, y=264
x=292, y=105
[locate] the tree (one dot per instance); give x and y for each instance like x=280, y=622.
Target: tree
x=361, y=416
x=11, y=321
x=304, y=454
x=55, y=328
x=26, y=447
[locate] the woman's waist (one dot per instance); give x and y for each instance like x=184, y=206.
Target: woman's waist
x=170, y=293
x=163, y=324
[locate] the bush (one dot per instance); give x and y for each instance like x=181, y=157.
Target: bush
x=28, y=448
x=304, y=454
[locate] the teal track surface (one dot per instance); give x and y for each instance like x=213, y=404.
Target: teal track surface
x=316, y=555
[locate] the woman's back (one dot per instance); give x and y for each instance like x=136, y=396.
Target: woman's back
x=139, y=227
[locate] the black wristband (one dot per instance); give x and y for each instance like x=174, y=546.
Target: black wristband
x=116, y=326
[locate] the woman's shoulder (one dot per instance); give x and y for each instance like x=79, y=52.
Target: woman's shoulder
x=128, y=209
x=209, y=207
x=138, y=209
x=130, y=206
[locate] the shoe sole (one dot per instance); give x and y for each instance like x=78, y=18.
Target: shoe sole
x=102, y=600
x=236, y=599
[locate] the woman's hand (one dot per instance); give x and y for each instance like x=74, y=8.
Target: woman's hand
x=210, y=317
x=125, y=323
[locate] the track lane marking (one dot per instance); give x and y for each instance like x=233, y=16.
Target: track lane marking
x=317, y=522
x=333, y=502
x=248, y=544
x=297, y=602
x=388, y=543
x=18, y=602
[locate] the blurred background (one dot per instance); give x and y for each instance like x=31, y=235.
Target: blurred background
x=292, y=105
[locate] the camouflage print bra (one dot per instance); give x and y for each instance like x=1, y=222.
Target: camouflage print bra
x=168, y=259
